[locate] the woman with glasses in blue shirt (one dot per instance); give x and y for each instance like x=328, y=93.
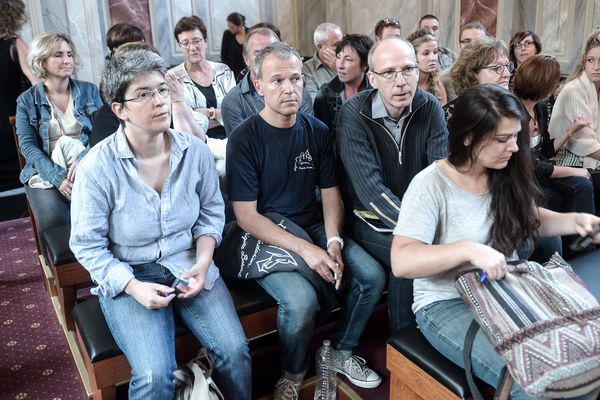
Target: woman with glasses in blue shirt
x=147, y=214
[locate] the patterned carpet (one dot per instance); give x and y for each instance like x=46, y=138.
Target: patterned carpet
x=35, y=362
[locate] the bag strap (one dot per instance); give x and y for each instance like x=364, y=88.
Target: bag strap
x=468, y=347
x=504, y=382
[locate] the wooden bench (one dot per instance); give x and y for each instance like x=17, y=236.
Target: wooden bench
x=420, y=372
x=68, y=274
x=107, y=366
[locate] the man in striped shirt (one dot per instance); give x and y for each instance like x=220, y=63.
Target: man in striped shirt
x=385, y=137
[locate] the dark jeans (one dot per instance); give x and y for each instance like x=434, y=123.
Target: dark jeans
x=400, y=291
x=569, y=194
x=50, y=209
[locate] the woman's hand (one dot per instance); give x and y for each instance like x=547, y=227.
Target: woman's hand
x=71, y=171
x=576, y=125
x=175, y=84
x=150, y=295
x=196, y=278
x=65, y=188
x=488, y=259
x=586, y=225
x=582, y=172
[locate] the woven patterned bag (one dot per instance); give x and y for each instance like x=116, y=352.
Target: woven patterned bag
x=543, y=322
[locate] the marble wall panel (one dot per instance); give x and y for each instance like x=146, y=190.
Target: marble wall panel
x=484, y=11
x=132, y=12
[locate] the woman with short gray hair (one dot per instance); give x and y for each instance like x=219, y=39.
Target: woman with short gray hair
x=147, y=214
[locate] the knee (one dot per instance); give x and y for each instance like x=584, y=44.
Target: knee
x=154, y=379
x=234, y=355
x=300, y=313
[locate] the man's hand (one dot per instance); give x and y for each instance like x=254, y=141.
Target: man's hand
x=335, y=252
x=150, y=295
x=322, y=263
x=327, y=57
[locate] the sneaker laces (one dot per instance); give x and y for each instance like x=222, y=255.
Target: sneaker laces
x=357, y=364
x=287, y=389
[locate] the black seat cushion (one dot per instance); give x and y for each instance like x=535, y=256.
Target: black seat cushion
x=248, y=298
x=57, y=244
x=411, y=343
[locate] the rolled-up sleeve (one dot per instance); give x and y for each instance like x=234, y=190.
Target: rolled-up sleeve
x=211, y=218
x=90, y=211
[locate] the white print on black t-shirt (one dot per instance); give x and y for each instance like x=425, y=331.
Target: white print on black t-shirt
x=304, y=161
x=277, y=255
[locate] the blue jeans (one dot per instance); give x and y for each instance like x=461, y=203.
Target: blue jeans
x=400, y=290
x=50, y=209
x=445, y=324
x=587, y=268
x=569, y=194
x=147, y=338
x=298, y=303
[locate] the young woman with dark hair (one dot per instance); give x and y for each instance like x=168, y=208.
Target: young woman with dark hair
x=473, y=209
x=233, y=41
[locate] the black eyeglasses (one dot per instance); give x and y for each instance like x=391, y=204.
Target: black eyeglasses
x=147, y=96
x=465, y=41
x=526, y=44
x=406, y=72
x=499, y=68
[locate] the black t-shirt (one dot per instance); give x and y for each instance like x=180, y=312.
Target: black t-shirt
x=280, y=168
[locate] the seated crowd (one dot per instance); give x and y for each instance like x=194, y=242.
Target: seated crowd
x=449, y=167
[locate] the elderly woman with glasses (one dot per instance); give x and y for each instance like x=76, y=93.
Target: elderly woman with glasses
x=482, y=61
x=206, y=82
x=147, y=214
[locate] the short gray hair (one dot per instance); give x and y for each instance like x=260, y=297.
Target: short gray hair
x=262, y=31
x=42, y=48
x=320, y=35
x=410, y=48
x=281, y=50
x=125, y=67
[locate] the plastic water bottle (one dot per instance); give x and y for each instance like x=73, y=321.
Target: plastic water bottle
x=325, y=386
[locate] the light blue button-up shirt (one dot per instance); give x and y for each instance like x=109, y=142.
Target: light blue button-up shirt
x=118, y=221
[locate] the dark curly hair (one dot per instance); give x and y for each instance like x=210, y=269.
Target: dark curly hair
x=12, y=17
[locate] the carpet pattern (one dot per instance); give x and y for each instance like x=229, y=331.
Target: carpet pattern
x=35, y=361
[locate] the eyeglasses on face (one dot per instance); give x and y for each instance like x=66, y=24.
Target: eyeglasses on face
x=465, y=41
x=526, y=44
x=406, y=72
x=187, y=44
x=499, y=68
x=147, y=96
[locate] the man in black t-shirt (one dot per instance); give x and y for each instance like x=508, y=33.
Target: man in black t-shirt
x=274, y=162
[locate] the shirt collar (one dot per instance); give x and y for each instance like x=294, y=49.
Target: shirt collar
x=179, y=142
x=378, y=109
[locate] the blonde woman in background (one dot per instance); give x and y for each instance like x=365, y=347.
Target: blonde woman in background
x=426, y=48
x=579, y=99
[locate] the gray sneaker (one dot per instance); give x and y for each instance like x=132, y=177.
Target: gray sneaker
x=355, y=369
x=286, y=389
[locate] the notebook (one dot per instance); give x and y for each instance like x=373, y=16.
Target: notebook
x=372, y=220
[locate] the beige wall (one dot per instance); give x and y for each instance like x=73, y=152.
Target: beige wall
x=561, y=24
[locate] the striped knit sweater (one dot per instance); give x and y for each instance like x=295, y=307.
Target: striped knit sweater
x=377, y=168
